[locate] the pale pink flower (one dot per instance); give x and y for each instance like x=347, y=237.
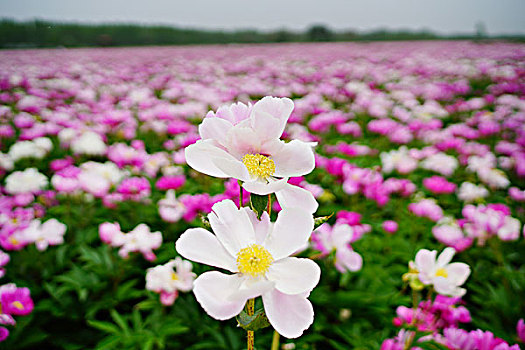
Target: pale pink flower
x=164, y=280
x=243, y=142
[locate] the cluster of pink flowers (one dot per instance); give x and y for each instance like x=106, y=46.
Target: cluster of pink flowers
x=479, y=223
x=14, y=301
x=140, y=239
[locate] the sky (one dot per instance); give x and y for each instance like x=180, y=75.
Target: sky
x=441, y=16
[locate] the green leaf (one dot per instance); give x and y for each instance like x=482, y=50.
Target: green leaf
x=253, y=323
x=205, y=221
x=119, y=320
x=318, y=221
x=258, y=204
x=103, y=326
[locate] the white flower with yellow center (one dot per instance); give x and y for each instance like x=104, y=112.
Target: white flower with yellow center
x=243, y=142
x=445, y=277
x=258, y=253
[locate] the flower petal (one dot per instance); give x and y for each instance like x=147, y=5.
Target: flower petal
x=347, y=259
x=292, y=196
x=458, y=273
x=269, y=116
x=290, y=232
x=233, y=168
x=425, y=264
x=215, y=128
x=213, y=291
x=290, y=315
x=261, y=227
x=445, y=257
x=262, y=189
x=295, y=158
x=294, y=275
x=232, y=226
x=204, y=154
x=242, y=141
x=251, y=288
x=203, y=247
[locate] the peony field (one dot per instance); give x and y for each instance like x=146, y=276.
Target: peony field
x=271, y=196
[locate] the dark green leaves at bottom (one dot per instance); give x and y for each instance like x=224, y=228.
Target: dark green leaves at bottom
x=258, y=204
x=253, y=323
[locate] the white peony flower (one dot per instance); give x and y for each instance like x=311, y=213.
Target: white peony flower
x=440, y=163
x=27, y=181
x=26, y=149
x=258, y=254
x=6, y=162
x=398, y=160
x=445, y=277
x=89, y=143
x=468, y=192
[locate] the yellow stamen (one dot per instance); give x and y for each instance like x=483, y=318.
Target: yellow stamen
x=18, y=305
x=174, y=276
x=259, y=165
x=254, y=260
x=13, y=240
x=441, y=272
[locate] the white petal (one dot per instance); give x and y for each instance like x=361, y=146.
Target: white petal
x=458, y=273
x=233, y=167
x=290, y=232
x=262, y=189
x=269, y=116
x=232, y=226
x=296, y=158
x=203, y=155
x=445, y=257
x=250, y=288
x=203, y=247
x=425, y=264
x=242, y=141
x=294, y=275
x=290, y=315
x=296, y=197
x=261, y=227
x=215, y=128
x=213, y=291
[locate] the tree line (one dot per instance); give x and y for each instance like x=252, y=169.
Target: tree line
x=39, y=33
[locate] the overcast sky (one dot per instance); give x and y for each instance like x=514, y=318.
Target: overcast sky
x=443, y=16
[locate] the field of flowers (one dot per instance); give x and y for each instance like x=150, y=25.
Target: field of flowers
x=121, y=174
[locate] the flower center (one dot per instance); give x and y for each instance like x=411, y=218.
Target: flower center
x=259, y=165
x=254, y=260
x=441, y=272
x=174, y=276
x=18, y=305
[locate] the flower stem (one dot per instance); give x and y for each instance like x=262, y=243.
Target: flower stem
x=240, y=194
x=275, y=341
x=250, y=305
x=269, y=207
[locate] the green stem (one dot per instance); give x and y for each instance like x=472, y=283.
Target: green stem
x=269, y=207
x=250, y=305
x=275, y=341
x=240, y=193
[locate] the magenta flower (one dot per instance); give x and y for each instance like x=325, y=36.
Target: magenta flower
x=15, y=301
